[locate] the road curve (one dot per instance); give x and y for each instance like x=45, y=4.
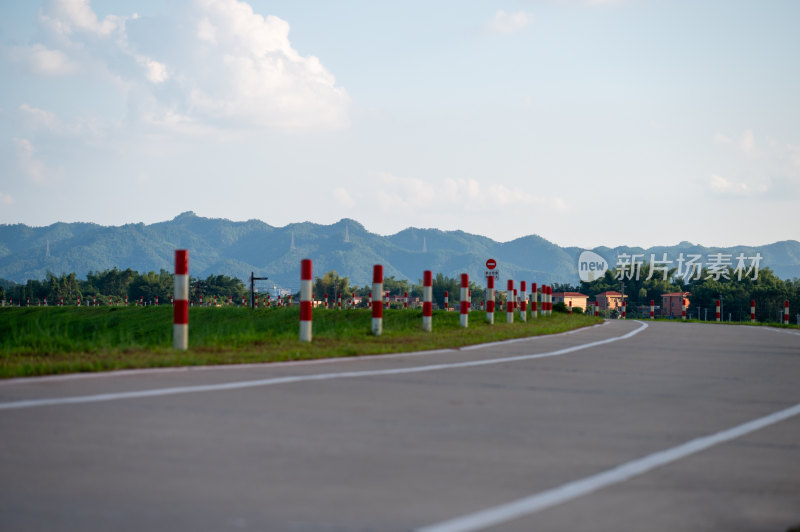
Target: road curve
x=434, y=441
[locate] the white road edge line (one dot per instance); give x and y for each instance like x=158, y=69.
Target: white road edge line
x=238, y=385
x=578, y=488
x=781, y=331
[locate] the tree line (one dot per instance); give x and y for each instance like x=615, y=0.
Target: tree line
x=117, y=284
x=767, y=290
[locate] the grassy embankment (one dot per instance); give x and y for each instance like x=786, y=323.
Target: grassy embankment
x=42, y=341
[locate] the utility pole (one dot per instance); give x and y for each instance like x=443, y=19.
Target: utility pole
x=253, y=280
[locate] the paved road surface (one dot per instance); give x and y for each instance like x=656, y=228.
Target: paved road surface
x=408, y=442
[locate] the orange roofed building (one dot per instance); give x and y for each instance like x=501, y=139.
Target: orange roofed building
x=576, y=298
x=610, y=300
x=671, y=304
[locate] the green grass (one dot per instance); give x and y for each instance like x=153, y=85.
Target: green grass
x=44, y=341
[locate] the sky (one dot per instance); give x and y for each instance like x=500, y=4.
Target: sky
x=587, y=122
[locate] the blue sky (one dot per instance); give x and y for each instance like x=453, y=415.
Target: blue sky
x=637, y=122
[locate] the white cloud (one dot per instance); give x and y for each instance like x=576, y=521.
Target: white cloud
x=228, y=65
x=343, y=198
x=44, y=61
x=721, y=138
x=6, y=199
x=794, y=155
x=729, y=187
x=36, y=118
x=457, y=194
x=747, y=143
x=155, y=72
x=29, y=165
x=252, y=75
x=65, y=17
x=503, y=22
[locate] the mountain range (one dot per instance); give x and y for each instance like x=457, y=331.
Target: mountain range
x=220, y=246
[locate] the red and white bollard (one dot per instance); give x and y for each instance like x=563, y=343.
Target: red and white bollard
x=305, y=300
x=339, y=301
x=596, y=309
x=534, y=301
x=180, y=312
x=370, y=300
x=683, y=309
x=490, y=299
x=786, y=312
x=752, y=311
x=446, y=300
x=427, y=301
x=377, y=304
x=718, y=315
x=652, y=309
x=544, y=300
x=405, y=300
x=201, y=300
x=326, y=301
x=549, y=300
x=510, y=301
x=156, y=300
x=523, y=304
x=464, y=297
x=624, y=308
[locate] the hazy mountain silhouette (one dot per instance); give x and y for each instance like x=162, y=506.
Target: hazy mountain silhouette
x=220, y=246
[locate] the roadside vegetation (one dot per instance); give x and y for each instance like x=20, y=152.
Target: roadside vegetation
x=54, y=340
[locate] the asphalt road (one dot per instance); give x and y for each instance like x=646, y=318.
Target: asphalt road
x=413, y=441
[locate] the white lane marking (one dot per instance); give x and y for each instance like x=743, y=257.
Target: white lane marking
x=572, y=490
x=357, y=358
x=515, y=340
x=302, y=378
x=781, y=331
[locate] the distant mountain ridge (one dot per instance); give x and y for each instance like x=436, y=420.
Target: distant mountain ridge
x=220, y=246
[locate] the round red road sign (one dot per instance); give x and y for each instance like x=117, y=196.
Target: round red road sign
x=491, y=264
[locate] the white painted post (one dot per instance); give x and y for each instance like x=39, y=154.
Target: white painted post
x=180, y=311
x=490, y=299
x=377, y=303
x=464, y=300
x=427, y=301
x=510, y=301
x=306, y=295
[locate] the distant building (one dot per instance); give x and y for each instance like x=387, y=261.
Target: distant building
x=610, y=300
x=576, y=298
x=671, y=304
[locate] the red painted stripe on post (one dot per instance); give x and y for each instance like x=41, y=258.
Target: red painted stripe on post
x=181, y=312
x=305, y=270
x=305, y=310
x=181, y=261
